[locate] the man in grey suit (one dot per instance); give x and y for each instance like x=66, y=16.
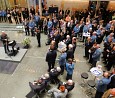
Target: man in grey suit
x=96, y=55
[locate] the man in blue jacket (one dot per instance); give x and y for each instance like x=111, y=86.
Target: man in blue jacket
x=3, y=15
x=69, y=69
x=31, y=27
x=96, y=55
x=102, y=85
x=37, y=19
x=76, y=30
x=62, y=60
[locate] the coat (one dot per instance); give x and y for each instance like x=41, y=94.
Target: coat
x=57, y=93
x=96, y=55
x=51, y=56
x=69, y=68
x=62, y=59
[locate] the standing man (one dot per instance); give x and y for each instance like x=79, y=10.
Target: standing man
x=62, y=60
x=102, y=85
x=69, y=69
x=38, y=35
x=37, y=19
x=51, y=57
x=96, y=55
x=49, y=25
x=31, y=27
x=111, y=58
x=26, y=26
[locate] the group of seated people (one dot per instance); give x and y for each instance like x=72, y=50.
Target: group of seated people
x=42, y=84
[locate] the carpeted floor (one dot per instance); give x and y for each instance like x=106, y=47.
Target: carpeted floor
x=9, y=64
x=8, y=67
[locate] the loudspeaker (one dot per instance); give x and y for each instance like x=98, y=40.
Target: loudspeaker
x=53, y=9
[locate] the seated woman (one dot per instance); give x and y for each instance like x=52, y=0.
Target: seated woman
x=59, y=93
x=54, y=73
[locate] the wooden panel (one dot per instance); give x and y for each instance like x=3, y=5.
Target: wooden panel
x=23, y=3
x=11, y=2
x=72, y=4
x=111, y=5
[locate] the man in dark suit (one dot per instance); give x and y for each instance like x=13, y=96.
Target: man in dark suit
x=111, y=58
x=38, y=35
x=51, y=57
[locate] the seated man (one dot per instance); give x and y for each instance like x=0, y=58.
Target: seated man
x=69, y=85
x=37, y=86
x=59, y=93
x=54, y=73
x=46, y=78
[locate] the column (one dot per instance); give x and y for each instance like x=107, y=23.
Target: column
x=40, y=7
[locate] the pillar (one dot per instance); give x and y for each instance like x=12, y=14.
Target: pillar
x=40, y=7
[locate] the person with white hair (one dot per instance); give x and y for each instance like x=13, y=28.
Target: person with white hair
x=70, y=52
x=70, y=85
x=93, y=37
x=54, y=73
x=67, y=41
x=111, y=35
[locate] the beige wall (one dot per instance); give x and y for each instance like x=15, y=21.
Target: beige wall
x=72, y=4
x=111, y=5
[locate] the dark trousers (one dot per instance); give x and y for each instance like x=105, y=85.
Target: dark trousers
x=51, y=65
x=90, y=58
x=98, y=94
x=9, y=19
x=94, y=63
x=68, y=76
x=16, y=20
x=109, y=65
x=86, y=52
x=32, y=32
x=27, y=31
x=39, y=43
x=62, y=68
x=6, y=49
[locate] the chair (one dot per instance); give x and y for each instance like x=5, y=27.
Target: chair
x=91, y=86
x=84, y=76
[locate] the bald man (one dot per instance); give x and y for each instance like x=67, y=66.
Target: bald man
x=102, y=85
x=96, y=55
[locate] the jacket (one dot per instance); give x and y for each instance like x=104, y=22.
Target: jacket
x=51, y=56
x=62, y=59
x=57, y=93
x=96, y=55
x=69, y=68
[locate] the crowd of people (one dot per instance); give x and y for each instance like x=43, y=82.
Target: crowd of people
x=89, y=26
